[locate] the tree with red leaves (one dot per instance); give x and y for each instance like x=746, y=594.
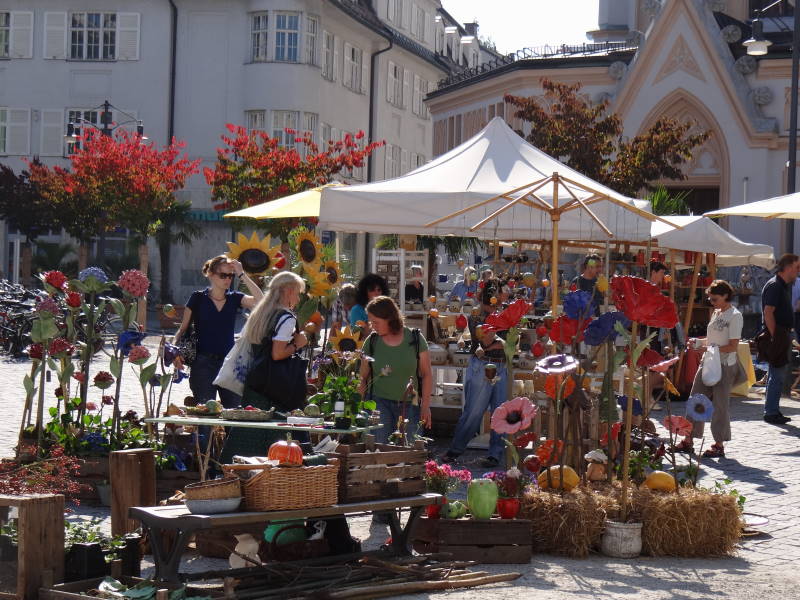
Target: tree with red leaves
x=253, y=168
x=587, y=138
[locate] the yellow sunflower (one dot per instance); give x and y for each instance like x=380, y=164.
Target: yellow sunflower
x=345, y=340
x=317, y=284
x=308, y=249
x=256, y=255
x=330, y=268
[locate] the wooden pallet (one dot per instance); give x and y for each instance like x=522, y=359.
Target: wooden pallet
x=391, y=472
x=502, y=541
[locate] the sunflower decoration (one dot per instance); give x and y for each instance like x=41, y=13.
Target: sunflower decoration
x=309, y=250
x=317, y=284
x=330, y=269
x=345, y=340
x=256, y=255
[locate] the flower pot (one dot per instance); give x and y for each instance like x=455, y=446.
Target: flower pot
x=482, y=498
x=84, y=561
x=104, y=493
x=434, y=511
x=508, y=508
x=342, y=422
x=622, y=540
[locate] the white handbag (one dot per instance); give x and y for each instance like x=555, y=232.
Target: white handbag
x=235, y=367
x=712, y=366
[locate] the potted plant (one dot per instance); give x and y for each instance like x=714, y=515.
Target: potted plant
x=339, y=372
x=510, y=485
x=443, y=479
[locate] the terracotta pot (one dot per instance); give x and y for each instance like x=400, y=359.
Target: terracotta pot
x=433, y=511
x=508, y=508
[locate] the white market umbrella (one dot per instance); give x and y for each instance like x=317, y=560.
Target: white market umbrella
x=779, y=207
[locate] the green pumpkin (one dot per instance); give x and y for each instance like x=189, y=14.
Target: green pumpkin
x=456, y=510
x=482, y=498
x=313, y=460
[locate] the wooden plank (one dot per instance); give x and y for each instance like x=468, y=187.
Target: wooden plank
x=384, y=472
x=383, y=458
x=386, y=489
x=493, y=555
x=41, y=543
x=494, y=531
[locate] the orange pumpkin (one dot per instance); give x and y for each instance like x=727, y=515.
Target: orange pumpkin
x=286, y=452
x=315, y=318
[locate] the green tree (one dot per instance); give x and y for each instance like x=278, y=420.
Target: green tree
x=177, y=228
x=662, y=202
x=589, y=139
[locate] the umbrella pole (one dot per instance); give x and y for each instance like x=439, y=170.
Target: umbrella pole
x=555, y=281
x=687, y=319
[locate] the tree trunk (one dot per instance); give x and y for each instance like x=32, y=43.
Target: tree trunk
x=83, y=256
x=26, y=264
x=144, y=258
x=164, y=256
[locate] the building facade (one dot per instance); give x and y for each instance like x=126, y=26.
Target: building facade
x=657, y=58
x=186, y=68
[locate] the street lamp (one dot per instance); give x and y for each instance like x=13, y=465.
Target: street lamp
x=108, y=126
x=757, y=45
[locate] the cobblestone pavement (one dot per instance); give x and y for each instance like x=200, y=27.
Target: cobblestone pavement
x=762, y=461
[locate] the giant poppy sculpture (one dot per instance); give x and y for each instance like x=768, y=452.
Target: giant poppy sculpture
x=643, y=302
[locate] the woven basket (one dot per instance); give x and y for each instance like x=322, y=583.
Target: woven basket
x=229, y=487
x=235, y=414
x=280, y=488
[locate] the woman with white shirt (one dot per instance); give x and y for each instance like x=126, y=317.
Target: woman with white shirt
x=724, y=331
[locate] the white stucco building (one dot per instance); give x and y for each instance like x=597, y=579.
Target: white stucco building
x=185, y=68
x=654, y=58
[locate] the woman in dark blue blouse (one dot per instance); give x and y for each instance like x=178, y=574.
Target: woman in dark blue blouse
x=214, y=310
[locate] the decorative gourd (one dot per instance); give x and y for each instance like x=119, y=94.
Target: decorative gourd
x=482, y=498
x=661, y=481
x=571, y=478
x=286, y=452
x=313, y=460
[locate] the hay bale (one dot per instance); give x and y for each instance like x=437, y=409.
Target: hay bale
x=568, y=524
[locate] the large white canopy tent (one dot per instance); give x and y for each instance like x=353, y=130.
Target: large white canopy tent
x=701, y=234
x=494, y=186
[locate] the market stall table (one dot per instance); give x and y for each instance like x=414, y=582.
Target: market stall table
x=276, y=425
x=156, y=520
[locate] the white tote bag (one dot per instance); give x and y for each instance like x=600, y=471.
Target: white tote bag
x=235, y=367
x=712, y=366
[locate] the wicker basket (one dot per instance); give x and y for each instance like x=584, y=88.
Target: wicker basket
x=236, y=414
x=229, y=487
x=280, y=488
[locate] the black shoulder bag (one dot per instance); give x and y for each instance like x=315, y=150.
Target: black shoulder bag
x=187, y=346
x=281, y=382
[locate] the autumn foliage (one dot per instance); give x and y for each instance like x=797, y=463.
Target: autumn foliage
x=588, y=138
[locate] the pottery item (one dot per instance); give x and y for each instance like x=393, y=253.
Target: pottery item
x=622, y=540
x=482, y=498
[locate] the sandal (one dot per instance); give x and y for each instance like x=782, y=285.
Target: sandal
x=684, y=446
x=714, y=452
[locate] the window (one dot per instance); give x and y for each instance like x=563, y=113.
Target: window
x=5, y=34
x=352, y=67
x=420, y=161
x=328, y=55
x=256, y=120
x=394, y=87
x=312, y=26
x=281, y=121
x=310, y=121
x=258, y=35
x=419, y=23
x=396, y=12
x=80, y=118
x=93, y=36
x=392, y=166
x=417, y=105
x=3, y=130
x=287, y=31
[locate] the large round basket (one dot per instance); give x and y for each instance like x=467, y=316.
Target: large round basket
x=283, y=488
x=229, y=487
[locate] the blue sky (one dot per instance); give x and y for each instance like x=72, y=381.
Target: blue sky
x=515, y=24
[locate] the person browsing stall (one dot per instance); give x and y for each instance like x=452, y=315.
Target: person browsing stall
x=370, y=286
x=467, y=287
x=414, y=288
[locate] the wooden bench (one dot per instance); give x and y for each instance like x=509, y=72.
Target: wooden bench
x=159, y=519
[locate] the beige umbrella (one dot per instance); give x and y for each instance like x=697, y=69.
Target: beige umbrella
x=301, y=204
x=779, y=207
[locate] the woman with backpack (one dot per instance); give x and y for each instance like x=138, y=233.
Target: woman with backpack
x=398, y=354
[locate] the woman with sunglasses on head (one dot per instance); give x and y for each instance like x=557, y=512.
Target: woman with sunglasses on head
x=213, y=312
x=724, y=331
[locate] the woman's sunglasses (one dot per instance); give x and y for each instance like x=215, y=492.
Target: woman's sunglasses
x=226, y=275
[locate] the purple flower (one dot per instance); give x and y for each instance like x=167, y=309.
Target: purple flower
x=179, y=376
x=95, y=272
x=48, y=305
x=602, y=329
x=171, y=351
x=579, y=305
x=699, y=408
x=637, y=406
x=129, y=339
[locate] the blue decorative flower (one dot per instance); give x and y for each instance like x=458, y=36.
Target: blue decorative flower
x=179, y=376
x=637, y=406
x=129, y=339
x=602, y=329
x=699, y=408
x=579, y=305
x=171, y=351
x=96, y=441
x=95, y=272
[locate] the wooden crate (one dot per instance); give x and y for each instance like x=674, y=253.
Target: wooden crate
x=76, y=590
x=391, y=472
x=496, y=541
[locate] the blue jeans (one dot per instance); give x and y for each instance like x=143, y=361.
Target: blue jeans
x=201, y=381
x=391, y=410
x=479, y=395
x=775, y=380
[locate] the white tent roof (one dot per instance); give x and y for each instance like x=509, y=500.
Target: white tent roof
x=495, y=161
x=784, y=207
x=701, y=234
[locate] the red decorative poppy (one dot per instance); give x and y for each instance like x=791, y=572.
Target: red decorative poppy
x=566, y=330
x=615, y=429
x=73, y=299
x=521, y=441
x=551, y=386
x=649, y=358
x=678, y=425
x=509, y=318
x=549, y=452
x=513, y=415
x=538, y=349
x=664, y=365
x=643, y=302
x=541, y=331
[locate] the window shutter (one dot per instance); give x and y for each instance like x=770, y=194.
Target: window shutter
x=18, y=142
x=404, y=162
x=390, y=83
x=390, y=9
x=417, y=102
x=55, y=35
x=21, y=35
x=337, y=61
x=128, y=36
x=387, y=162
x=364, y=75
x=406, y=13
x=51, y=141
x=406, y=87
x=347, y=76
x=413, y=19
